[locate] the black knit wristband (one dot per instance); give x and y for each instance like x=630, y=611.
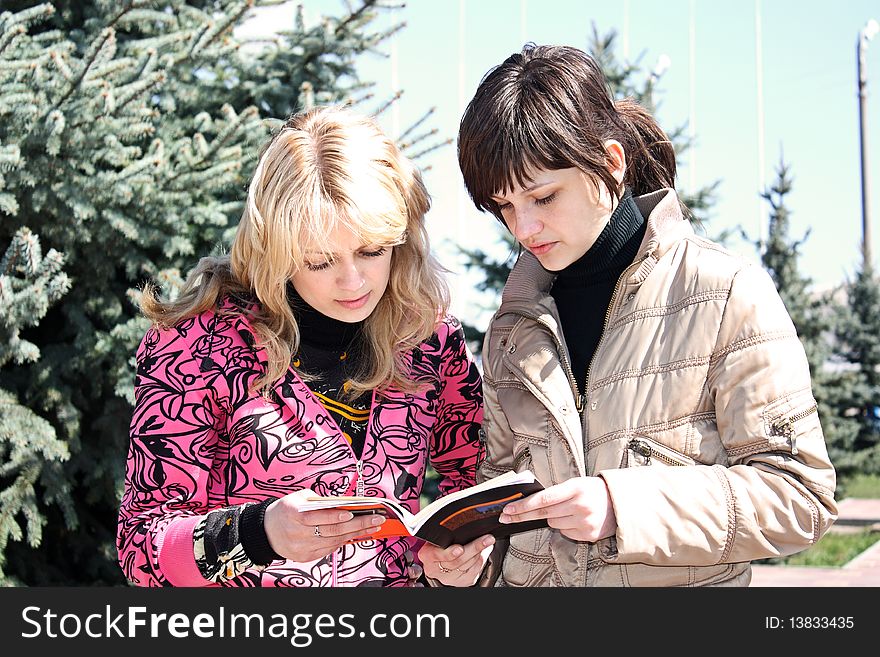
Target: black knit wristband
x=252, y=533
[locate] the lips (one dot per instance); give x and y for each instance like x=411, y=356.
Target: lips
x=353, y=304
x=540, y=249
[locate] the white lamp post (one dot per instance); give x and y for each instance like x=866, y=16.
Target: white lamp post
x=865, y=34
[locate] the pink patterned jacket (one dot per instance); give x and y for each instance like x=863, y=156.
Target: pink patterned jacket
x=201, y=441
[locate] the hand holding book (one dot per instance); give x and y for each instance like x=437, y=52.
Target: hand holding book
x=457, y=565
x=580, y=508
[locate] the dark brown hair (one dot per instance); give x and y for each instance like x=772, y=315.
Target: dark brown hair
x=550, y=107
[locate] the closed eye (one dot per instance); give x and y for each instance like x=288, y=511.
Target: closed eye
x=319, y=267
x=546, y=200
x=374, y=254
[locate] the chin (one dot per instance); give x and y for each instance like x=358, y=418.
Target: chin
x=354, y=316
x=554, y=264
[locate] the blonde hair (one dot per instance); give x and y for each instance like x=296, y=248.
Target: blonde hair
x=326, y=167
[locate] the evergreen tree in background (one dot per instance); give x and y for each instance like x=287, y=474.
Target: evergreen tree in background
x=626, y=79
x=29, y=451
x=127, y=132
x=855, y=382
x=779, y=255
x=812, y=315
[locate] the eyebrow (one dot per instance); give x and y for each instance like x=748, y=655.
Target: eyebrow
x=530, y=188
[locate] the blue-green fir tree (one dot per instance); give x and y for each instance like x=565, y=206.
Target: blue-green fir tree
x=32, y=456
x=855, y=382
x=127, y=131
x=814, y=317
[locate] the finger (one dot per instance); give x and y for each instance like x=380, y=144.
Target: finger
x=548, y=497
x=540, y=513
x=430, y=552
x=451, y=553
x=357, y=525
x=467, y=565
x=469, y=554
x=324, y=517
x=567, y=522
x=470, y=572
x=354, y=537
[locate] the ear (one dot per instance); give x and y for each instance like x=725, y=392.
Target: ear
x=616, y=159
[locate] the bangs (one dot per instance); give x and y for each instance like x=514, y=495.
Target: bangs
x=512, y=149
x=319, y=223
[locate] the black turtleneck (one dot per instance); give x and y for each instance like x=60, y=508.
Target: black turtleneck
x=322, y=338
x=583, y=290
x=330, y=352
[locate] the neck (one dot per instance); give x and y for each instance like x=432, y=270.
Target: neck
x=614, y=249
x=317, y=329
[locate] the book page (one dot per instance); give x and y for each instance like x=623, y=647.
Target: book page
x=352, y=503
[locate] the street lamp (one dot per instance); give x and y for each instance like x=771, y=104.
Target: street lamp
x=865, y=34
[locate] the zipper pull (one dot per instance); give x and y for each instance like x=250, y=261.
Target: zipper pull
x=785, y=429
x=360, y=487
x=580, y=401
x=640, y=447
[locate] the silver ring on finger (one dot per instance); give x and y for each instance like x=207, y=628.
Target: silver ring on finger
x=443, y=569
x=317, y=531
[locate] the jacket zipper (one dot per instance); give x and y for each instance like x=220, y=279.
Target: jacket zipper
x=644, y=448
x=360, y=487
x=614, y=295
x=566, y=365
x=641, y=447
x=578, y=397
x=785, y=426
x=519, y=458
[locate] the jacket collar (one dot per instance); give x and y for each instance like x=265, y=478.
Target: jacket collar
x=666, y=223
x=528, y=285
x=291, y=390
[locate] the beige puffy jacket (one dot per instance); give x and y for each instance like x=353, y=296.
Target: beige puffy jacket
x=698, y=413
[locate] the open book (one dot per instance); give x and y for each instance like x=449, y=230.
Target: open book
x=458, y=517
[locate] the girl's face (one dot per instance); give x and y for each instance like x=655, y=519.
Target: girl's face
x=559, y=214
x=349, y=284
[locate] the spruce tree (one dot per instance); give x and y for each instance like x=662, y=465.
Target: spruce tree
x=839, y=337
x=31, y=454
x=626, y=79
x=814, y=316
x=855, y=383
x=780, y=254
x=127, y=131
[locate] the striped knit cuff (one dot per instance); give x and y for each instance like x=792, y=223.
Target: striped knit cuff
x=252, y=534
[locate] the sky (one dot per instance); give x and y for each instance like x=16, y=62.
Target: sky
x=752, y=80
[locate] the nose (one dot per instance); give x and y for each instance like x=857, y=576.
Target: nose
x=525, y=225
x=349, y=277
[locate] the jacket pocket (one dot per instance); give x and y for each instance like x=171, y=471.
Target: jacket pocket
x=525, y=415
x=528, y=561
x=641, y=451
x=643, y=575
x=785, y=418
